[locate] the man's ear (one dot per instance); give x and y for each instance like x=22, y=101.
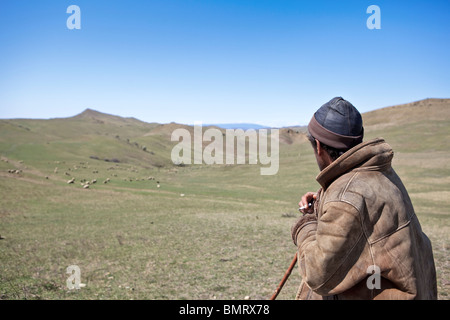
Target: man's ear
x=319, y=148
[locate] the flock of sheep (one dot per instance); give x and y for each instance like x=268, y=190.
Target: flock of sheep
x=85, y=183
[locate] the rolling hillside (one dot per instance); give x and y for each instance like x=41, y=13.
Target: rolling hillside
x=148, y=229
x=95, y=135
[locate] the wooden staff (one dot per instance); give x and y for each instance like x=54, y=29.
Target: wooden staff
x=286, y=276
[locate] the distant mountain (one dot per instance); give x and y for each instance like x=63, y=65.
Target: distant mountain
x=244, y=126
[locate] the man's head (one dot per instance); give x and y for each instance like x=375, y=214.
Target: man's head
x=335, y=128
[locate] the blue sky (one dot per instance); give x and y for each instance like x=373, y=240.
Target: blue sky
x=219, y=61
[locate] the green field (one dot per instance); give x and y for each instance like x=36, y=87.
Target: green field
x=207, y=231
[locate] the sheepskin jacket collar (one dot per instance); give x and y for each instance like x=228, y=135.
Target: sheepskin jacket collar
x=368, y=156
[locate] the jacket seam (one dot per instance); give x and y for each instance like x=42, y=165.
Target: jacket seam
x=362, y=218
x=304, y=225
x=350, y=251
x=372, y=256
x=340, y=264
x=347, y=186
x=402, y=269
x=369, y=244
x=391, y=233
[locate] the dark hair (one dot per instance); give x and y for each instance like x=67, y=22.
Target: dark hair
x=332, y=152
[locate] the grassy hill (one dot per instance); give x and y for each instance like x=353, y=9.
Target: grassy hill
x=148, y=229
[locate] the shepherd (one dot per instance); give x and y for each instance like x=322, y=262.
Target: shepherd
x=360, y=221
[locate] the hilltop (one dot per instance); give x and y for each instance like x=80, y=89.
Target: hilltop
x=420, y=126
x=103, y=118
x=422, y=110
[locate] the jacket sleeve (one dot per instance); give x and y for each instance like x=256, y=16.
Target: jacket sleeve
x=328, y=249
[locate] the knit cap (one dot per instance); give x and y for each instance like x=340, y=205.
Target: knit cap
x=337, y=124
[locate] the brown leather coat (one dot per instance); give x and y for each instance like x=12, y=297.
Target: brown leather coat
x=364, y=240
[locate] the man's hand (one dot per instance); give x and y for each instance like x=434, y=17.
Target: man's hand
x=307, y=199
